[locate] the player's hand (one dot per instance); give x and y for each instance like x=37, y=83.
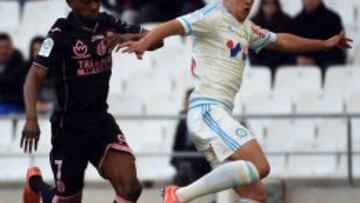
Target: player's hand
x=339, y=41
x=30, y=136
x=133, y=47
x=113, y=40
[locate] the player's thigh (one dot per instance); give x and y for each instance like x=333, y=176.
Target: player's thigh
x=252, y=151
x=255, y=191
x=75, y=199
x=120, y=169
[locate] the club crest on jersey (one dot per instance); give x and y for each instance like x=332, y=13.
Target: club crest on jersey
x=80, y=50
x=101, y=48
x=235, y=49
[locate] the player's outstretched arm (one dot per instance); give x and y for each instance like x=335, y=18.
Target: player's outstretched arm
x=173, y=27
x=31, y=131
x=295, y=44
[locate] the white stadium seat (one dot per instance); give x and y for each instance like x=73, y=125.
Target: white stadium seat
x=43, y=162
x=320, y=103
x=121, y=105
x=295, y=80
x=332, y=135
x=6, y=140
x=163, y=105
x=353, y=103
x=266, y=103
x=277, y=164
x=127, y=65
x=10, y=14
x=355, y=132
x=43, y=14
x=356, y=166
x=45, y=137
x=256, y=79
x=292, y=8
x=321, y=165
x=345, y=9
x=145, y=85
x=343, y=79
x=292, y=131
x=14, y=169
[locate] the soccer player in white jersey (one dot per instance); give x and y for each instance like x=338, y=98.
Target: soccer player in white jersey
x=222, y=38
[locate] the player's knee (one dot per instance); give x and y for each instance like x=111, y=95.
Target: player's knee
x=130, y=191
x=263, y=169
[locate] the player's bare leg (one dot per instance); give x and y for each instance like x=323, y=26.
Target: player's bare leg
x=244, y=169
x=251, y=151
x=75, y=199
x=119, y=168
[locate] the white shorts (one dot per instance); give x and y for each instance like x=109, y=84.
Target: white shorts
x=214, y=131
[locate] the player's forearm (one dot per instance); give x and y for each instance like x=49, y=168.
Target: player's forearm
x=31, y=93
x=295, y=44
x=163, y=31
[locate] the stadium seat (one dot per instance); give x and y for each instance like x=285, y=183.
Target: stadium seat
x=353, y=103
x=277, y=164
x=126, y=65
x=346, y=10
x=292, y=8
x=256, y=79
x=293, y=131
x=266, y=103
x=321, y=165
x=121, y=105
x=295, y=80
x=6, y=139
x=355, y=132
x=10, y=14
x=332, y=135
x=45, y=137
x=319, y=103
x=342, y=79
x=43, y=14
x=356, y=166
x=147, y=85
x=92, y=175
x=171, y=60
x=43, y=162
x=13, y=168
x=163, y=105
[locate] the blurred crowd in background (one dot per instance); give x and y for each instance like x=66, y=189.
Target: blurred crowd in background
x=314, y=21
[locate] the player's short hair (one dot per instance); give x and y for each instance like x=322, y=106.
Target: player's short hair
x=5, y=37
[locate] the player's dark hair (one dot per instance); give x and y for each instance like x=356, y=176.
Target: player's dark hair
x=4, y=36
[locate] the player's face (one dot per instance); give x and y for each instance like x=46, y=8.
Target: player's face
x=89, y=9
x=240, y=8
x=311, y=5
x=5, y=50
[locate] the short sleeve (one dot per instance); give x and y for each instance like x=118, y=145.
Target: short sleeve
x=121, y=26
x=197, y=22
x=49, y=50
x=260, y=38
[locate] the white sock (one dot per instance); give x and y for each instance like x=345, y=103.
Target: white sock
x=248, y=201
x=226, y=176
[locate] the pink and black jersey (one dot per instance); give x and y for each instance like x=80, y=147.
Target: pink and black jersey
x=75, y=54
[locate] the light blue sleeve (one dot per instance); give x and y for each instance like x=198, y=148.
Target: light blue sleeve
x=197, y=22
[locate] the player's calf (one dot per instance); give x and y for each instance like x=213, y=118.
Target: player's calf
x=127, y=193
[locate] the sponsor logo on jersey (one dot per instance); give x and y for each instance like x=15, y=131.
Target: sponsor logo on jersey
x=80, y=50
x=101, y=48
x=235, y=49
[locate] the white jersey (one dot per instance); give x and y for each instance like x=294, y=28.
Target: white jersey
x=220, y=49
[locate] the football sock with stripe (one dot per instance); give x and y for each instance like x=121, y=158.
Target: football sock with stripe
x=229, y=175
